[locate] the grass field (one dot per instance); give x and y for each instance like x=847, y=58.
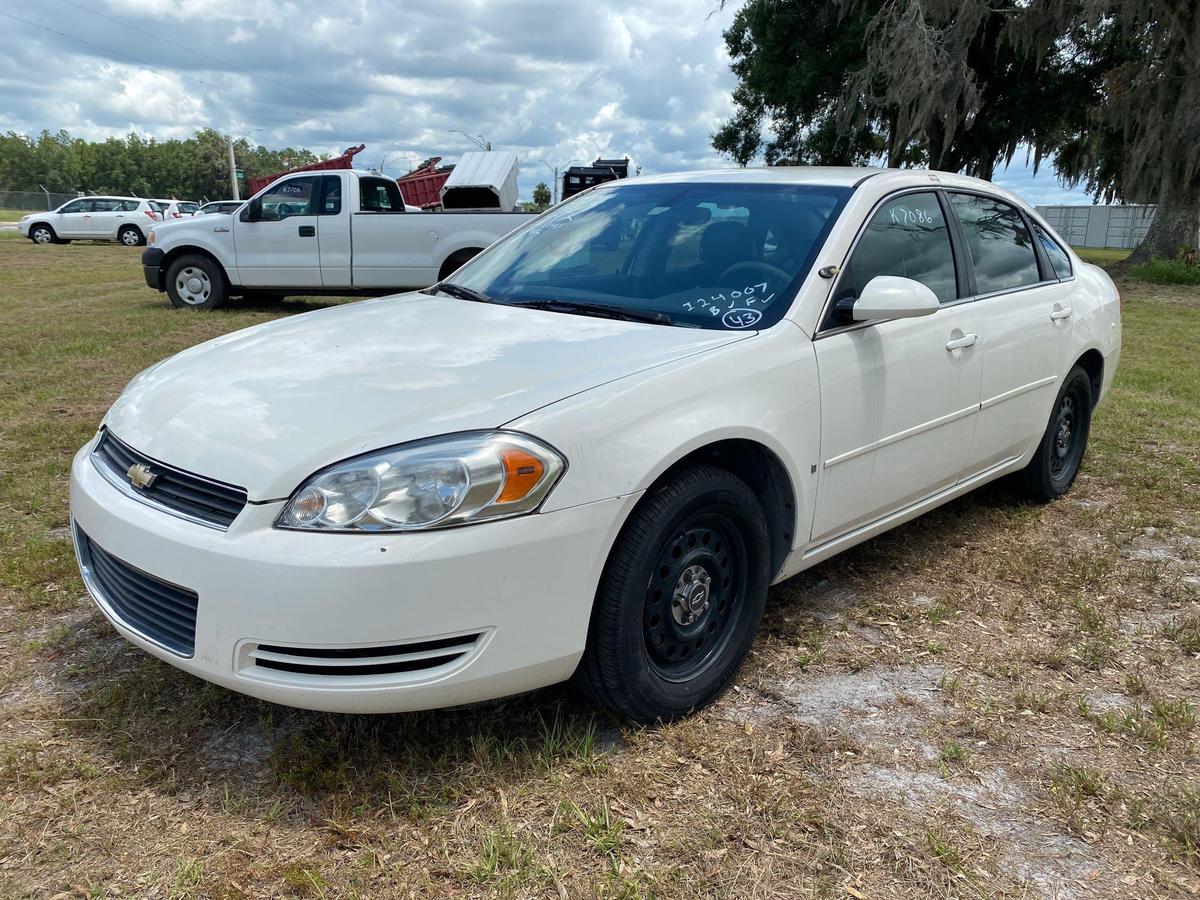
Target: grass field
x=995, y=700
x=12, y=215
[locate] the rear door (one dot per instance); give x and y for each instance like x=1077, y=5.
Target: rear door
x=105, y=212
x=1024, y=321
x=392, y=247
x=333, y=235
x=281, y=249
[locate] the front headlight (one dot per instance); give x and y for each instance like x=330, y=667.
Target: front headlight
x=151, y=238
x=434, y=483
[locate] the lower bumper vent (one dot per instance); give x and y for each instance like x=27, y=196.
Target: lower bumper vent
x=156, y=609
x=343, y=662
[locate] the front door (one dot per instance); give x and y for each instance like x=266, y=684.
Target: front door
x=899, y=399
x=75, y=219
x=281, y=249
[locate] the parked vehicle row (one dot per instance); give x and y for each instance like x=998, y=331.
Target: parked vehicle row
x=124, y=219
x=589, y=451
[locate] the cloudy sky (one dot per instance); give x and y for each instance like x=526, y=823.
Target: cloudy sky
x=551, y=81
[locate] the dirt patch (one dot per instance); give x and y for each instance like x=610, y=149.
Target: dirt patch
x=1052, y=864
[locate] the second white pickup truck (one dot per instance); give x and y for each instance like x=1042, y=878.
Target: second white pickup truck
x=342, y=232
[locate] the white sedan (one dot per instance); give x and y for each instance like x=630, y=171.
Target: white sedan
x=124, y=219
x=590, y=451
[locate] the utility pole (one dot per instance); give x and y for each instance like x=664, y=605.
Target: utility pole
x=233, y=182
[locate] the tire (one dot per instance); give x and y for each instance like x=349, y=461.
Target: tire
x=456, y=261
x=195, y=282
x=680, y=599
x=41, y=233
x=1054, y=466
x=131, y=236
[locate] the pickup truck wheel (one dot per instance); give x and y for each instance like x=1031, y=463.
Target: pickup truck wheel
x=195, y=282
x=680, y=599
x=42, y=234
x=130, y=236
x=456, y=261
x=1054, y=466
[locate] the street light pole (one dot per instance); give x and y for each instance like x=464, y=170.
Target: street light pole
x=233, y=182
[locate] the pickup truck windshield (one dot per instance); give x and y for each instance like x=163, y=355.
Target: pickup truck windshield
x=703, y=254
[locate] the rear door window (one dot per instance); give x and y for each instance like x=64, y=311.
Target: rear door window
x=331, y=195
x=908, y=237
x=379, y=195
x=1001, y=248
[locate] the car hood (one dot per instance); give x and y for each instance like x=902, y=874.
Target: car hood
x=265, y=407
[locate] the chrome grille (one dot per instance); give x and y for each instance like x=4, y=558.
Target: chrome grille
x=191, y=496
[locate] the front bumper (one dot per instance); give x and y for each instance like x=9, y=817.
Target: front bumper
x=525, y=586
x=152, y=259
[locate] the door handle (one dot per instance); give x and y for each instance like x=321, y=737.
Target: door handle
x=961, y=343
x=308, y=231
x=1060, y=312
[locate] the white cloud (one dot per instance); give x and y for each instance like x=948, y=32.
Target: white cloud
x=548, y=80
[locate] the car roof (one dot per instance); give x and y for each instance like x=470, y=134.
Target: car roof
x=836, y=176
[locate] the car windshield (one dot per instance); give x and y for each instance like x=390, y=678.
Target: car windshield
x=698, y=254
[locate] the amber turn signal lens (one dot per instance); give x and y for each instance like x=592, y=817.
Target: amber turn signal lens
x=522, y=472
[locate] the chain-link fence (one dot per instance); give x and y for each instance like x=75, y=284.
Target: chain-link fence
x=34, y=199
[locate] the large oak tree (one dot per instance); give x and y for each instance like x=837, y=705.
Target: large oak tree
x=1109, y=88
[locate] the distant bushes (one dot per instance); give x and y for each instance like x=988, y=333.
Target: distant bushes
x=1166, y=271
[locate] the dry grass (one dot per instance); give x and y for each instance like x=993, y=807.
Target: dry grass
x=995, y=700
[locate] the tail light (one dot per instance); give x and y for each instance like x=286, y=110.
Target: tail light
x=150, y=215
x=176, y=215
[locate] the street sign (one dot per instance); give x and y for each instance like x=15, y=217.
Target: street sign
x=240, y=173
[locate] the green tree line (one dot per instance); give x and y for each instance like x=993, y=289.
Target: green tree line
x=189, y=169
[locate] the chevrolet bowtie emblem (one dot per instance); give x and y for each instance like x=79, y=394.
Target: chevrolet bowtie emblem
x=140, y=476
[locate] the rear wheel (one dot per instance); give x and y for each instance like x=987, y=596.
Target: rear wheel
x=195, y=282
x=680, y=599
x=456, y=261
x=130, y=236
x=1054, y=466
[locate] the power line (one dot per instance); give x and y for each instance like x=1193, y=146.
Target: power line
x=143, y=62
x=186, y=48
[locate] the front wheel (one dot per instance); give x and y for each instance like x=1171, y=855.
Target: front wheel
x=195, y=282
x=680, y=599
x=1054, y=466
x=42, y=234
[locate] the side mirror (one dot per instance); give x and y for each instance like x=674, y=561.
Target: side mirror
x=252, y=211
x=889, y=297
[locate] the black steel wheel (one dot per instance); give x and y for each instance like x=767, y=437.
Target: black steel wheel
x=1052, y=470
x=680, y=599
x=697, y=584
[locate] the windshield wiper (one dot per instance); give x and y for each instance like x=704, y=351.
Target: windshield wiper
x=601, y=310
x=462, y=293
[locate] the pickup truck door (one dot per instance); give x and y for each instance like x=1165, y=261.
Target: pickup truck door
x=282, y=248
x=392, y=248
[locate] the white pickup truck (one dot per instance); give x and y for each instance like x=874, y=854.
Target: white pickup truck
x=340, y=232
